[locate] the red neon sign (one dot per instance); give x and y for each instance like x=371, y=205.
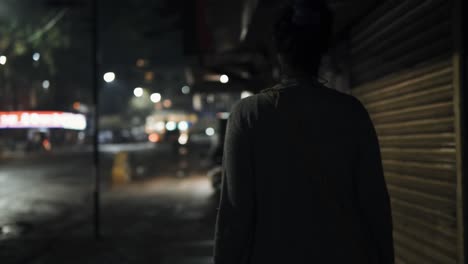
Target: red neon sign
x=42, y=119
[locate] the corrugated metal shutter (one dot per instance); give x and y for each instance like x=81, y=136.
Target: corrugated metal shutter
x=402, y=70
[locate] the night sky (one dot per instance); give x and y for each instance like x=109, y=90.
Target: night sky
x=132, y=30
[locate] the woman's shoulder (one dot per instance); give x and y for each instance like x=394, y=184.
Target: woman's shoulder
x=246, y=112
x=252, y=103
x=267, y=100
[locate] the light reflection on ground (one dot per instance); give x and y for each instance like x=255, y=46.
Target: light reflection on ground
x=197, y=186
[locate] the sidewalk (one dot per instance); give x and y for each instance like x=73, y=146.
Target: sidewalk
x=64, y=150
x=163, y=221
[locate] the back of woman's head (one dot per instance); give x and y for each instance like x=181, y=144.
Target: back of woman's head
x=302, y=35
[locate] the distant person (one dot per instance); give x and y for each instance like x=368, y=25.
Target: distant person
x=303, y=180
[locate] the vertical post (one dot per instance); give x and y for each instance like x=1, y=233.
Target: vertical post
x=464, y=13
x=459, y=109
x=97, y=178
x=464, y=115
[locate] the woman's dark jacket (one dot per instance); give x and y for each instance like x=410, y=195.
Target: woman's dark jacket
x=303, y=181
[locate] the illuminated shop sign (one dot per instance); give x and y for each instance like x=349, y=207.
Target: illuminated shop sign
x=42, y=119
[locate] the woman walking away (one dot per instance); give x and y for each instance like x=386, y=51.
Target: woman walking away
x=303, y=180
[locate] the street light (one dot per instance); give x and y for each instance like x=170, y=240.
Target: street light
x=138, y=92
x=3, y=60
x=46, y=84
x=171, y=126
x=36, y=56
x=183, y=126
x=156, y=98
x=224, y=78
x=109, y=77
x=210, y=131
x=186, y=89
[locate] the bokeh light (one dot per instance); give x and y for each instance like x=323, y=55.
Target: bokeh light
x=224, y=78
x=171, y=126
x=109, y=77
x=156, y=98
x=210, y=131
x=138, y=92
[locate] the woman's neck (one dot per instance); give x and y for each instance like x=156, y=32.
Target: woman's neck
x=299, y=78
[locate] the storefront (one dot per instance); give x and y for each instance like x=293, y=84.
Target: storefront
x=406, y=69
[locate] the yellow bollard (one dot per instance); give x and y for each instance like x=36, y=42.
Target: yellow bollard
x=120, y=169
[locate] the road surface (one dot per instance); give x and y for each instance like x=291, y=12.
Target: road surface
x=165, y=215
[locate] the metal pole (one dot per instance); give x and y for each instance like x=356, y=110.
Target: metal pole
x=96, y=56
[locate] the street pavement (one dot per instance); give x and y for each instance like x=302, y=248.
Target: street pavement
x=165, y=215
